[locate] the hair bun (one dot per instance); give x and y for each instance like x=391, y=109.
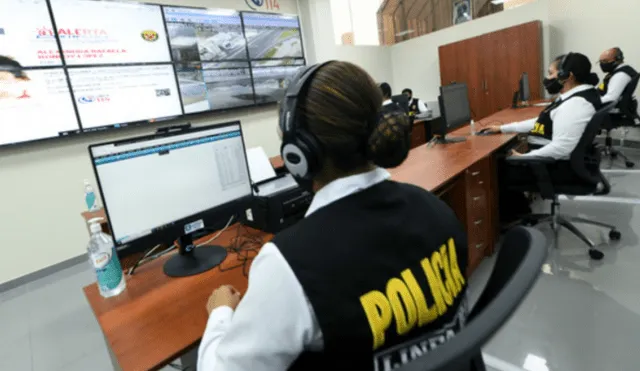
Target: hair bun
x=593, y=79
x=389, y=142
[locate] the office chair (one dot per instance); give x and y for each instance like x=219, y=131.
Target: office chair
x=517, y=267
x=627, y=117
x=586, y=178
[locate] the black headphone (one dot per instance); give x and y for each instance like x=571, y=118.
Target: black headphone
x=619, y=55
x=301, y=151
x=563, y=73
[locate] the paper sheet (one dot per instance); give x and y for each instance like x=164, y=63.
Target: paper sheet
x=281, y=184
x=259, y=165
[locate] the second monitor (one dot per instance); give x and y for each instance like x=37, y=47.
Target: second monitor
x=454, y=109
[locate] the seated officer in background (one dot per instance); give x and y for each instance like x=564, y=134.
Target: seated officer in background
x=416, y=105
x=376, y=267
x=387, y=104
x=556, y=132
x=618, y=76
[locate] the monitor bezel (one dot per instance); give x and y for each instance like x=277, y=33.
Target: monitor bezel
x=213, y=218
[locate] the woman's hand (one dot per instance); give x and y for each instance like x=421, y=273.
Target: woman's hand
x=223, y=296
x=515, y=153
x=493, y=129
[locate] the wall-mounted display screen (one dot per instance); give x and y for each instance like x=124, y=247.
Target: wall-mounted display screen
x=215, y=86
x=205, y=35
x=104, y=32
x=272, y=36
x=74, y=66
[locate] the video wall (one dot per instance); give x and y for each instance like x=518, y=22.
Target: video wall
x=74, y=66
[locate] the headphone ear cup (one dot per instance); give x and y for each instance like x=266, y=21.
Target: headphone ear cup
x=312, y=149
x=302, y=156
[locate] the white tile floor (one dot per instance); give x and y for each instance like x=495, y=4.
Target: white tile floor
x=581, y=316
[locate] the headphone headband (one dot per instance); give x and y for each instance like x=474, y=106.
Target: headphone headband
x=563, y=74
x=619, y=54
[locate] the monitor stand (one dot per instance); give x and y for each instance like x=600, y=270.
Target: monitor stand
x=193, y=260
x=450, y=140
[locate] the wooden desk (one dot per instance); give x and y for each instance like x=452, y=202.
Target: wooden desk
x=422, y=130
x=158, y=318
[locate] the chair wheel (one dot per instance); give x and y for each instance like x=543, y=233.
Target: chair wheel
x=613, y=155
x=596, y=254
x=615, y=235
x=630, y=164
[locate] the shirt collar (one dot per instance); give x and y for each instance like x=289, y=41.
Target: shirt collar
x=343, y=187
x=575, y=90
x=620, y=66
x=387, y=102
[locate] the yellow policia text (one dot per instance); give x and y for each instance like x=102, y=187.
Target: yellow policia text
x=538, y=128
x=405, y=301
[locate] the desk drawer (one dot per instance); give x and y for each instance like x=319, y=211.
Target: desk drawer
x=478, y=178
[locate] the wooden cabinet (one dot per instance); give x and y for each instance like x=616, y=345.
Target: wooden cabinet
x=418, y=134
x=491, y=66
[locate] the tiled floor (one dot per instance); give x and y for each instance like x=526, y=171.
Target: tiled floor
x=580, y=316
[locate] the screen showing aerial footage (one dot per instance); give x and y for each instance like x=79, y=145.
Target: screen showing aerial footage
x=35, y=104
x=102, y=32
x=205, y=35
x=270, y=81
x=113, y=96
x=272, y=36
x=26, y=33
x=215, y=86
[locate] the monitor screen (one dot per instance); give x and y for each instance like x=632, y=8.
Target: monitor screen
x=270, y=82
x=26, y=33
x=104, y=32
x=154, y=183
x=215, y=86
x=205, y=35
x=455, y=105
x=114, y=96
x=35, y=104
x=525, y=90
x=272, y=36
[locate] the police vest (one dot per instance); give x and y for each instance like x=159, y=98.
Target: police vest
x=384, y=270
x=603, y=88
x=544, y=125
x=414, y=107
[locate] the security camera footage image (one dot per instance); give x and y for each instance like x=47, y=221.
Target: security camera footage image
x=215, y=86
x=272, y=36
x=270, y=82
x=202, y=35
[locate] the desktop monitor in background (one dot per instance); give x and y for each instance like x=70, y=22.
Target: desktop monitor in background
x=402, y=101
x=523, y=95
x=161, y=187
x=454, y=110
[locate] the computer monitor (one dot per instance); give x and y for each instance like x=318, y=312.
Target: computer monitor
x=454, y=110
x=402, y=101
x=171, y=185
x=523, y=95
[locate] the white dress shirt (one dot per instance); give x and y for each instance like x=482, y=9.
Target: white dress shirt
x=387, y=102
x=274, y=322
x=422, y=108
x=569, y=121
x=617, y=84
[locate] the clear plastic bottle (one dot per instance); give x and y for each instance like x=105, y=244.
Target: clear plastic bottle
x=473, y=127
x=104, y=259
x=90, y=196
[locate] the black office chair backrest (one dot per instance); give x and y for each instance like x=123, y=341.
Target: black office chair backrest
x=585, y=158
x=516, y=269
x=627, y=105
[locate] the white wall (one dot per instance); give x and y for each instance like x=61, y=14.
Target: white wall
x=41, y=191
x=415, y=62
x=317, y=28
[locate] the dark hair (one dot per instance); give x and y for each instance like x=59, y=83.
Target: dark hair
x=407, y=90
x=342, y=110
x=14, y=67
x=386, y=90
x=579, y=65
x=618, y=54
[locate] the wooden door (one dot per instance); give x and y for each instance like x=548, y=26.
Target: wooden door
x=459, y=63
x=508, y=54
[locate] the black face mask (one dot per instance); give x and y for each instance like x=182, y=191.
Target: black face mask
x=553, y=86
x=608, y=67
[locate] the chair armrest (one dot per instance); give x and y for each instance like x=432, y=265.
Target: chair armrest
x=530, y=160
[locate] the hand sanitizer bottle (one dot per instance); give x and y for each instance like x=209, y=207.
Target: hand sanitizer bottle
x=104, y=259
x=473, y=127
x=90, y=196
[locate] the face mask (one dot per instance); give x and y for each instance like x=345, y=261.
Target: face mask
x=553, y=86
x=608, y=67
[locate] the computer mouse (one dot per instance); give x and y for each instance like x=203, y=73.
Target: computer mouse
x=485, y=131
